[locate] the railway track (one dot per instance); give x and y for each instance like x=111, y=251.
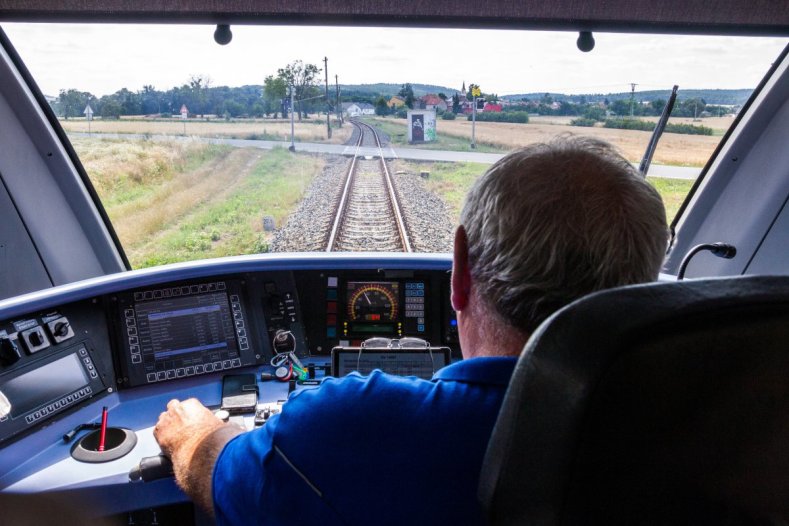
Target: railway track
x=368, y=215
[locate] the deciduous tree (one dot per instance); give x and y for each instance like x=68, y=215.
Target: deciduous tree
x=275, y=89
x=303, y=78
x=407, y=93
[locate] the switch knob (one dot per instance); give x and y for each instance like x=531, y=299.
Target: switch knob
x=61, y=329
x=34, y=338
x=9, y=352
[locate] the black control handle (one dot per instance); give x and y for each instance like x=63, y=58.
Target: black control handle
x=151, y=468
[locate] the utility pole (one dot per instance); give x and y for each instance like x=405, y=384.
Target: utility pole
x=328, y=105
x=337, y=105
x=292, y=141
x=476, y=94
x=632, y=97
x=473, y=122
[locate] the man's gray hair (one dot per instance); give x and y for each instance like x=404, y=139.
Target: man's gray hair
x=552, y=222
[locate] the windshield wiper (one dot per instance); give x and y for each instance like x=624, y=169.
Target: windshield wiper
x=661, y=125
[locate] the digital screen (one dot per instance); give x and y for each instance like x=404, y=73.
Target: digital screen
x=420, y=363
x=186, y=331
x=372, y=328
x=44, y=385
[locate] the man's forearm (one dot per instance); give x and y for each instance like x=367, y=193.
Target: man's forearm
x=194, y=465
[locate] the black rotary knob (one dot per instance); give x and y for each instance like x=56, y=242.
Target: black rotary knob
x=9, y=352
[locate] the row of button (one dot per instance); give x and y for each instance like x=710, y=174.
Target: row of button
x=415, y=304
x=235, y=304
x=131, y=333
x=88, y=363
x=179, y=291
x=182, y=372
x=55, y=406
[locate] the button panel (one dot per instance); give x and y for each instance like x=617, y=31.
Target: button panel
x=415, y=307
x=57, y=405
x=182, y=372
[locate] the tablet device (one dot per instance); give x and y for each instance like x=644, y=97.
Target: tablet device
x=423, y=363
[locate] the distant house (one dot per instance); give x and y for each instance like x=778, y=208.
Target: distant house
x=396, y=102
x=351, y=109
x=354, y=109
x=366, y=108
x=432, y=102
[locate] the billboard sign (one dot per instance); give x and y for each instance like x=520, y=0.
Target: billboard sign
x=421, y=126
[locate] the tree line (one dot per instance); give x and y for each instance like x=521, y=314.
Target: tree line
x=272, y=99
x=201, y=98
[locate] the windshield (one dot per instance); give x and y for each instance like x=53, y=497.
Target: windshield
x=201, y=150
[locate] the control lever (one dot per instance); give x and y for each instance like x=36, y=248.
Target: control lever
x=151, y=468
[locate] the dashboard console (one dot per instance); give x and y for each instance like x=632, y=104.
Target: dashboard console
x=134, y=340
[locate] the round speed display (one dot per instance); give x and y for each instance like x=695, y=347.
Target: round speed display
x=372, y=301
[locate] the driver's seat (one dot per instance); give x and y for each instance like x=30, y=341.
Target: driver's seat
x=665, y=403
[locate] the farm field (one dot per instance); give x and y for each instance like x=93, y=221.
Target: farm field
x=265, y=129
x=452, y=180
x=182, y=201
x=673, y=149
x=718, y=124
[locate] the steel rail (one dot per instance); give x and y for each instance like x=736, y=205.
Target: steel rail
x=395, y=202
x=344, y=198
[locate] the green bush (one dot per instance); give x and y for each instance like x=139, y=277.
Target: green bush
x=629, y=124
x=689, y=129
x=636, y=124
x=520, y=117
x=582, y=121
x=448, y=116
x=595, y=113
x=401, y=114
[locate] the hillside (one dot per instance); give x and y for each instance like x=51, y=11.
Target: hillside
x=392, y=89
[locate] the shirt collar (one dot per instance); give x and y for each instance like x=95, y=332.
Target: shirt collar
x=488, y=370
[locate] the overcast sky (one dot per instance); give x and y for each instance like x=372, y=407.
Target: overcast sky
x=104, y=59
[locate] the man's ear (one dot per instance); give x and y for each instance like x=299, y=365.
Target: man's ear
x=461, y=274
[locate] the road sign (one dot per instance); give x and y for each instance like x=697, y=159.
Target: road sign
x=88, y=112
x=475, y=91
x=184, y=111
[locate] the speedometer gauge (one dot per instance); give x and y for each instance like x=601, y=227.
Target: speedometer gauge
x=372, y=301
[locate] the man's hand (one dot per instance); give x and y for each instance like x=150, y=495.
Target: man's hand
x=193, y=437
x=181, y=424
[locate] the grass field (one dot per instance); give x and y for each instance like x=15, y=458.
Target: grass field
x=265, y=129
x=186, y=200
x=178, y=201
x=718, y=124
x=673, y=149
x=452, y=180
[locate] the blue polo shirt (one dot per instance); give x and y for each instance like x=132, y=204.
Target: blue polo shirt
x=380, y=449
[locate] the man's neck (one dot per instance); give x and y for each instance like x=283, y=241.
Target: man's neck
x=484, y=334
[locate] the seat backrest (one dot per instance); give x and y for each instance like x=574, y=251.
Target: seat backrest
x=663, y=403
